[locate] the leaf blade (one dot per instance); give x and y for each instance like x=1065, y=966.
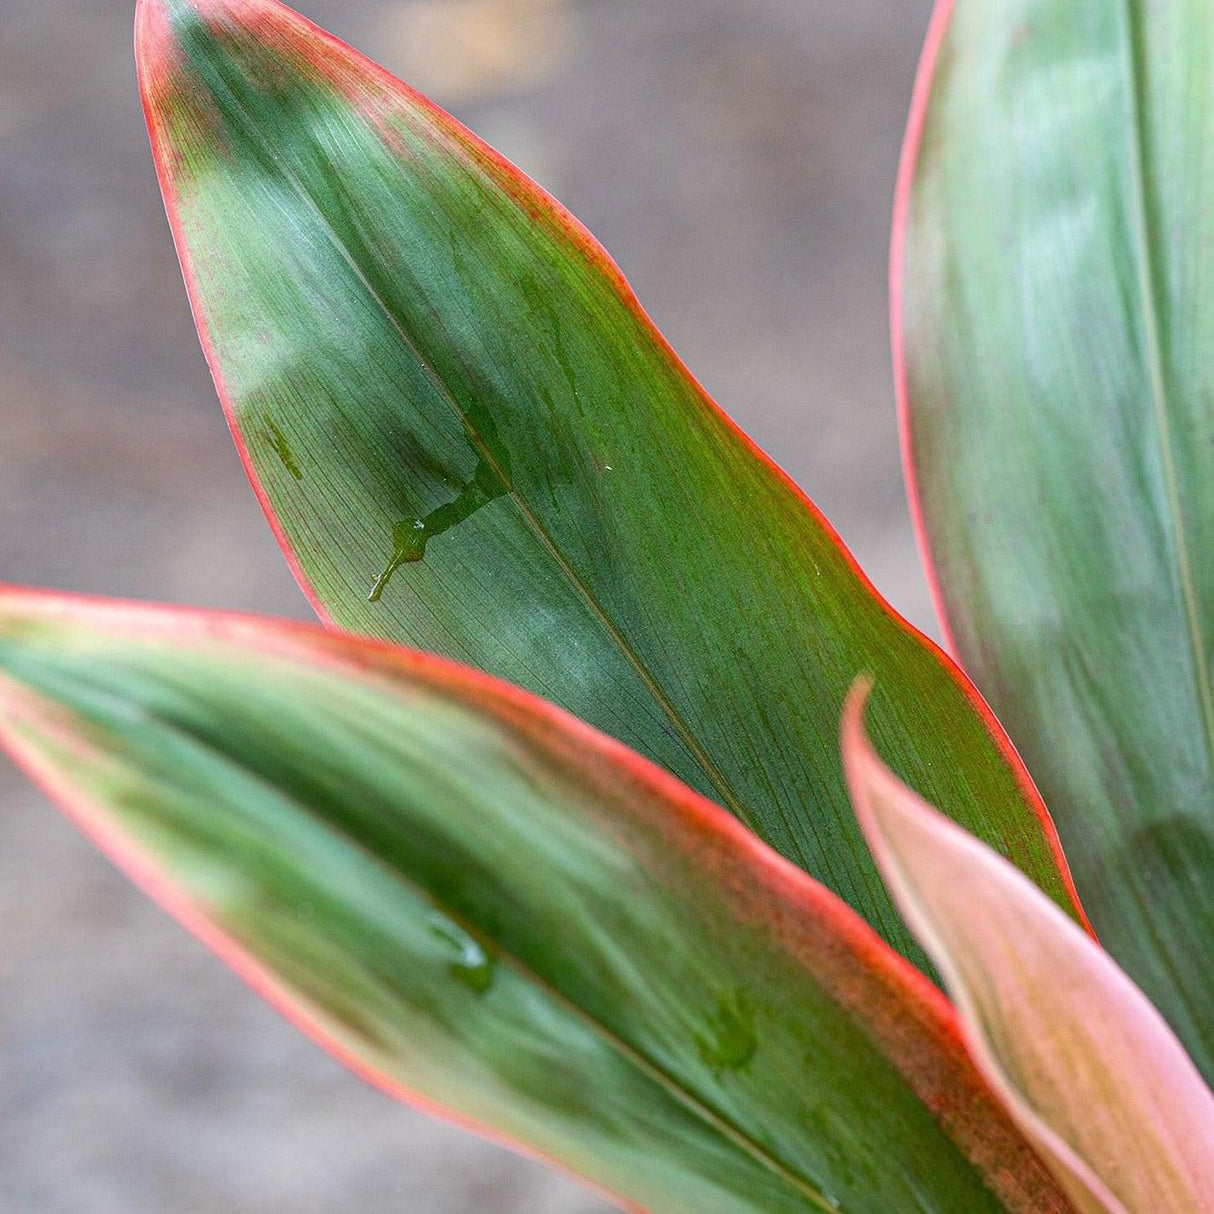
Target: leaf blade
x=1055, y=442
x=525, y=476
x=619, y=975
x=1086, y=1065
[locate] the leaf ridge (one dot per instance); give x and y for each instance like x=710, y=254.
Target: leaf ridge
x=720, y=782
x=1148, y=288
x=631, y=1054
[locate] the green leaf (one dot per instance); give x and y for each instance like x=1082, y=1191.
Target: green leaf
x=1057, y=309
x=483, y=905
x=472, y=440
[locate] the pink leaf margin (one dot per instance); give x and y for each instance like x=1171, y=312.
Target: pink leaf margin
x=139, y=867
x=155, y=51
x=903, y=1013
x=1143, y=1145
x=908, y=163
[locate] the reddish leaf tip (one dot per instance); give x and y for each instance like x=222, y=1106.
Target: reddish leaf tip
x=155, y=45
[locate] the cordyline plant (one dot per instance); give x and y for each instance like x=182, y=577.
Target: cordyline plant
x=471, y=440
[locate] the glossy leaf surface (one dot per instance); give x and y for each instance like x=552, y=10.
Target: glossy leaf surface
x=1055, y=316
x=1088, y=1067
x=474, y=442
x=481, y=903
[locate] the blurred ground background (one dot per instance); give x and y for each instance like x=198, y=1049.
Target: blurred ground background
x=737, y=159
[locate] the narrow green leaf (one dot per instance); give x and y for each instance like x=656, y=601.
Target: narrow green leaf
x=482, y=904
x=1057, y=300
x=473, y=441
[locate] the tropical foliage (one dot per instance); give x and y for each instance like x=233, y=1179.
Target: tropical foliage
x=551, y=830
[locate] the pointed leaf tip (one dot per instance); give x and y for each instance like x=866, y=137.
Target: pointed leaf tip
x=155, y=46
x=1085, y=1064
x=155, y=32
x=360, y=264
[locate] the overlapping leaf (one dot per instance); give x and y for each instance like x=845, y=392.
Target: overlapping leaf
x=473, y=441
x=1054, y=313
x=1087, y=1066
x=481, y=903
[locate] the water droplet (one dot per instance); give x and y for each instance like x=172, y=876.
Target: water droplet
x=490, y=479
x=408, y=545
x=473, y=965
x=410, y=536
x=731, y=1042
x=278, y=440
x=552, y=321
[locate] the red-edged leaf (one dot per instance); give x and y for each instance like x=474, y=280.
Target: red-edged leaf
x=481, y=904
x=1053, y=318
x=445, y=390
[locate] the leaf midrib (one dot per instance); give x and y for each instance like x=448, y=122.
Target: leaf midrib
x=631, y=1054
x=1161, y=404
x=723, y=786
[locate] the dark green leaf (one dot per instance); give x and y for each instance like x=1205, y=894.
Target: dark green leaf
x=473, y=441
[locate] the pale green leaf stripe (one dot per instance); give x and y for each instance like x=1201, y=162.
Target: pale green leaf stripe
x=1058, y=292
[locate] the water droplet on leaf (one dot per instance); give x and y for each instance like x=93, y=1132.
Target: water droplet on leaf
x=730, y=1043
x=408, y=545
x=410, y=536
x=278, y=440
x=472, y=965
